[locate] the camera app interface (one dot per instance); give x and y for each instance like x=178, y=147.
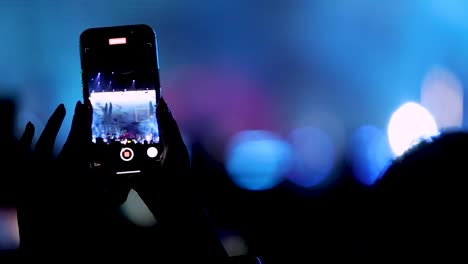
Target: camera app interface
x=121, y=87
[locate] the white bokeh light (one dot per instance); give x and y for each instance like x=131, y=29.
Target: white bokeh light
x=442, y=95
x=410, y=123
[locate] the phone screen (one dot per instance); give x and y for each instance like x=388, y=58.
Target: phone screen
x=121, y=79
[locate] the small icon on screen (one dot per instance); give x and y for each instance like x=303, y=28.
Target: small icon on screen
x=126, y=154
x=117, y=41
x=152, y=152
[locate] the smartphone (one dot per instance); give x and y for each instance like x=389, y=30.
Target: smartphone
x=120, y=76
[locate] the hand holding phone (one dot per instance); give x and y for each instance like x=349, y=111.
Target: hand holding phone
x=120, y=76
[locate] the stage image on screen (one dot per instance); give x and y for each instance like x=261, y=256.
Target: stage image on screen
x=123, y=112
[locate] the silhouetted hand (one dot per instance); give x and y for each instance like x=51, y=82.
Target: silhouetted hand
x=167, y=193
x=58, y=198
x=171, y=178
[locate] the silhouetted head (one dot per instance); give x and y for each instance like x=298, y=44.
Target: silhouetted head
x=7, y=141
x=421, y=199
x=7, y=120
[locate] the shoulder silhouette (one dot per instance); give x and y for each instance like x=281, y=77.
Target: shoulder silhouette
x=420, y=200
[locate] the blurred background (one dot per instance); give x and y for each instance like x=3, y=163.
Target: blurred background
x=282, y=103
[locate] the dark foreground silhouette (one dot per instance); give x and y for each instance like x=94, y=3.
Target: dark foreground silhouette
x=65, y=210
x=417, y=209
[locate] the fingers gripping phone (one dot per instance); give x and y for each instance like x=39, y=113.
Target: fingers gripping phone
x=120, y=76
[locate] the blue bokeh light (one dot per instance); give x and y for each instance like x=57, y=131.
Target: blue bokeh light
x=257, y=160
x=371, y=154
x=314, y=156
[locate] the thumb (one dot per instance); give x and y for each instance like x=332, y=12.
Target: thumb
x=168, y=129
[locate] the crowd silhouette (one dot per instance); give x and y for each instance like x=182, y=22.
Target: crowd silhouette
x=418, y=204
x=65, y=209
